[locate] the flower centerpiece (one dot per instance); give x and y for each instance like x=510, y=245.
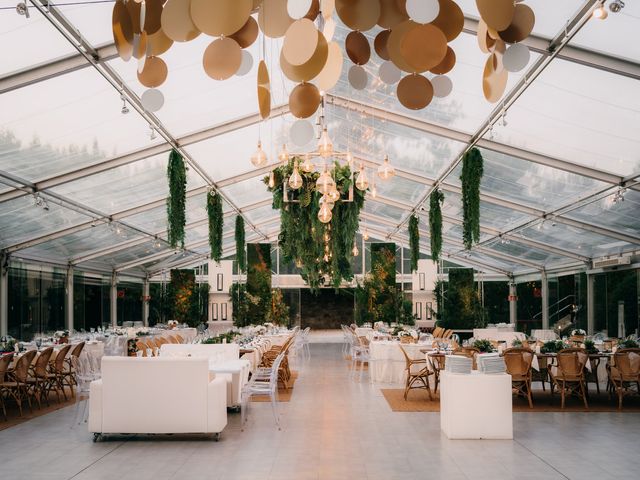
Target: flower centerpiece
x=590, y=347
x=405, y=336
x=61, y=336
x=554, y=346
x=627, y=343
x=578, y=335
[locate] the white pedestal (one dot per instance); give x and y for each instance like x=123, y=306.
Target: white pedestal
x=476, y=406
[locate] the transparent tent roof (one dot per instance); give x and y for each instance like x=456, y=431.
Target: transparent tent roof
x=83, y=184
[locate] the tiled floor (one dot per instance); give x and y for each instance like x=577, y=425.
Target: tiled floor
x=333, y=428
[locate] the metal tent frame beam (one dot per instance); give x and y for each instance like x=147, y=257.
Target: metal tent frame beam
x=73, y=36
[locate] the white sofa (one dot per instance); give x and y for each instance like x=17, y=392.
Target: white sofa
x=157, y=395
x=223, y=361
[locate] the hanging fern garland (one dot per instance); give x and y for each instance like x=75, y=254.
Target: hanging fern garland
x=216, y=222
x=241, y=256
x=176, y=202
x=414, y=241
x=302, y=235
x=435, y=223
x=472, y=170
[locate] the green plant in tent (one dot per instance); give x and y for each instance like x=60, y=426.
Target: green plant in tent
x=176, y=202
x=435, y=223
x=302, y=234
x=414, y=241
x=241, y=255
x=216, y=222
x=471, y=176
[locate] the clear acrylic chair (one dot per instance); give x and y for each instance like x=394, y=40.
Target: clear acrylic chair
x=359, y=355
x=86, y=369
x=263, y=382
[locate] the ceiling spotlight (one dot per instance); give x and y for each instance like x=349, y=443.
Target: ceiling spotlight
x=45, y=205
x=616, y=6
x=619, y=195
x=23, y=10
x=600, y=13
x=93, y=223
x=156, y=243
x=37, y=200
x=152, y=135
x=124, y=109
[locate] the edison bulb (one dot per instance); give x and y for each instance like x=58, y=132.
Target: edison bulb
x=325, y=145
x=326, y=200
x=324, y=215
x=349, y=158
x=334, y=194
x=365, y=235
x=325, y=183
x=355, y=252
x=362, y=182
x=259, y=158
x=374, y=191
x=283, y=156
x=295, y=180
x=272, y=180
x=386, y=170
x=307, y=166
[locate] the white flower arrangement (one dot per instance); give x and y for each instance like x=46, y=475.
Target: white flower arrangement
x=61, y=333
x=578, y=331
x=404, y=333
x=172, y=323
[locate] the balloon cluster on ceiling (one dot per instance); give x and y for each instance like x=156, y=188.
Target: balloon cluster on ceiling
x=413, y=43
x=503, y=22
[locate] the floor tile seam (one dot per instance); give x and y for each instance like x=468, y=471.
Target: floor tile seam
x=541, y=459
x=98, y=459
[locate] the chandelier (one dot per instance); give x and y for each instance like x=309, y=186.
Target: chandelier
x=324, y=159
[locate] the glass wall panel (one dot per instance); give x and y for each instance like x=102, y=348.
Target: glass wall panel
x=36, y=302
x=496, y=301
x=529, y=309
x=91, y=303
x=129, y=302
x=616, y=303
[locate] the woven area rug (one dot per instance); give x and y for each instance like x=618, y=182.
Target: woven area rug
x=13, y=414
x=418, y=401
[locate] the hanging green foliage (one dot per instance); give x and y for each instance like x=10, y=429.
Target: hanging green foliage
x=176, y=202
x=472, y=170
x=241, y=256
x=216, y=222
x=302, y=235
x=414, y=241
x=435, y=223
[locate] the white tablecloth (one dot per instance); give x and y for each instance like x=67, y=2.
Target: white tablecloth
x=388, y=364
x=544, y=335
x=497, y=335
x=364, y=331
x=278, y=339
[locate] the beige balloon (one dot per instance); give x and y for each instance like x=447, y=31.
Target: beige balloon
x=176, y=21
x=330, y=74
x=273, y=18
x=493, y=83
x=222, y=17
x=300, y=42
x=264, y=90
x=222, y=58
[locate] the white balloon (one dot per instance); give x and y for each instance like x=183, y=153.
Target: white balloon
x=442, y=86
x=329, y=29
x=389, y=73
x=246, y=64
x=152, y=100
x=358, y=77
x=298, y=8
x=516, y=57
x=423, y=11
x=301, y=132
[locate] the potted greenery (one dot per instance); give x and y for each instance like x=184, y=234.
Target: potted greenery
x=484, y=346
x=590, y=347
x=628, y=343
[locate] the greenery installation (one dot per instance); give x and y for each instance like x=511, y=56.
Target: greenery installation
x=472, y=170
x=258, y=291
x=414, y=241
x=176, y=202
x=278, y=313
x=189, y=300
x=216, y=222
x=459, y=307
x=241, y=256
x=435, y=223
x=302, y=234
x=378, y=299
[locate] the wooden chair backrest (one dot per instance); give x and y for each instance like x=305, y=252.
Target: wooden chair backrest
x=627, y=362
x=571, y=362
x=21, y=370
x=40, y=368
x=518, y=361
x=58, y=363
x=77, y=350
x=141, y=346
x=5, y=361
